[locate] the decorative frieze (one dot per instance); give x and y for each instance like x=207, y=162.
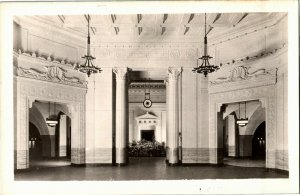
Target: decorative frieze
x=154, y=85
x=241, y=73
x=241, y=78
x=52, y=74
x=147, y=53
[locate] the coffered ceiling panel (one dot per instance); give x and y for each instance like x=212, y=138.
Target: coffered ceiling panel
x=148, y=26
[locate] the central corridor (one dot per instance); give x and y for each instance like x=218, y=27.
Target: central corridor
x=145, y=168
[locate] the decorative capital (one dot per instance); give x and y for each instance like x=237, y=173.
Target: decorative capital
x=263, y=102
x=174, y=73
x=166, y=81
x=30, y=102
x=120, y=73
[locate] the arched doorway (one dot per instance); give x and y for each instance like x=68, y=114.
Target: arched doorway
x=49, y=144
x=259, y=142
x=243, y=145
x=35, y=143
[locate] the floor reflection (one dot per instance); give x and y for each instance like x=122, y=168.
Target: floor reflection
x=143, y=168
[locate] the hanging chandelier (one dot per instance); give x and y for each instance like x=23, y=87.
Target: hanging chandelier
x=242, y=121
x=88, y=67
x=51, y=121
x=205, y=66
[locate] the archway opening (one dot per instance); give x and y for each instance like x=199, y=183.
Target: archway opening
x=243, y=145
x=259, y=142
x=35, y=143
x=147, y=117
x=49, y=144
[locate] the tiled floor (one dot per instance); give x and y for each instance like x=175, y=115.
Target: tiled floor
x=142, y=169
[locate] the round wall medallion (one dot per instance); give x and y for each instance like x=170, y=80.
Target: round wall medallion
x=147, y=103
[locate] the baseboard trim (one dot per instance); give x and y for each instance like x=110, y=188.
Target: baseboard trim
x=284, y=172
x=173, y=164
x=99, y=165
x=120, y=164
x=202, y=164
x=78, y=165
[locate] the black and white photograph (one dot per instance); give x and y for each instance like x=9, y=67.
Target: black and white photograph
x=153, y=97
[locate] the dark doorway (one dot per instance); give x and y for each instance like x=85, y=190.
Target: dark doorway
x=35, y=142
x=147, y=135
x=259, y=142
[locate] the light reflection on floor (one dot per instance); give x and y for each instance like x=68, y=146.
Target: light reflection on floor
x=248, y=162
x=144, y=168
x=39, y=163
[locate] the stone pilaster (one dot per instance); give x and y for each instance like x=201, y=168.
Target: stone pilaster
x=77, y=136
x=121, y=115
x=21, y=130
x=232, y=139
x=62, y=152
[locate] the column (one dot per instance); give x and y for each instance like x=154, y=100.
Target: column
x=167, y=126
x=232, y=139
x=179, y=92
x=121, y=115
x=173, y=115
x=62, y=151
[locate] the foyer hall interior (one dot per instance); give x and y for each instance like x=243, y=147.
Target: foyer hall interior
x=192, y=117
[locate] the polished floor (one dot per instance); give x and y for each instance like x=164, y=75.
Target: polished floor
x=247, y=162
x=144, y=168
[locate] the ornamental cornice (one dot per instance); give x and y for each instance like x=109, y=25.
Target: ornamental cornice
x=263, y=55
x=34, y=57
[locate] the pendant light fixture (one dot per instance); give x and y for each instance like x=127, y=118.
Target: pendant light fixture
x=51, y=121
x=88, y=67
x=147, y=102
x=205, y=66
x=242, y=121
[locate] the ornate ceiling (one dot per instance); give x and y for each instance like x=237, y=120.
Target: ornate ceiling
x=157, y=26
